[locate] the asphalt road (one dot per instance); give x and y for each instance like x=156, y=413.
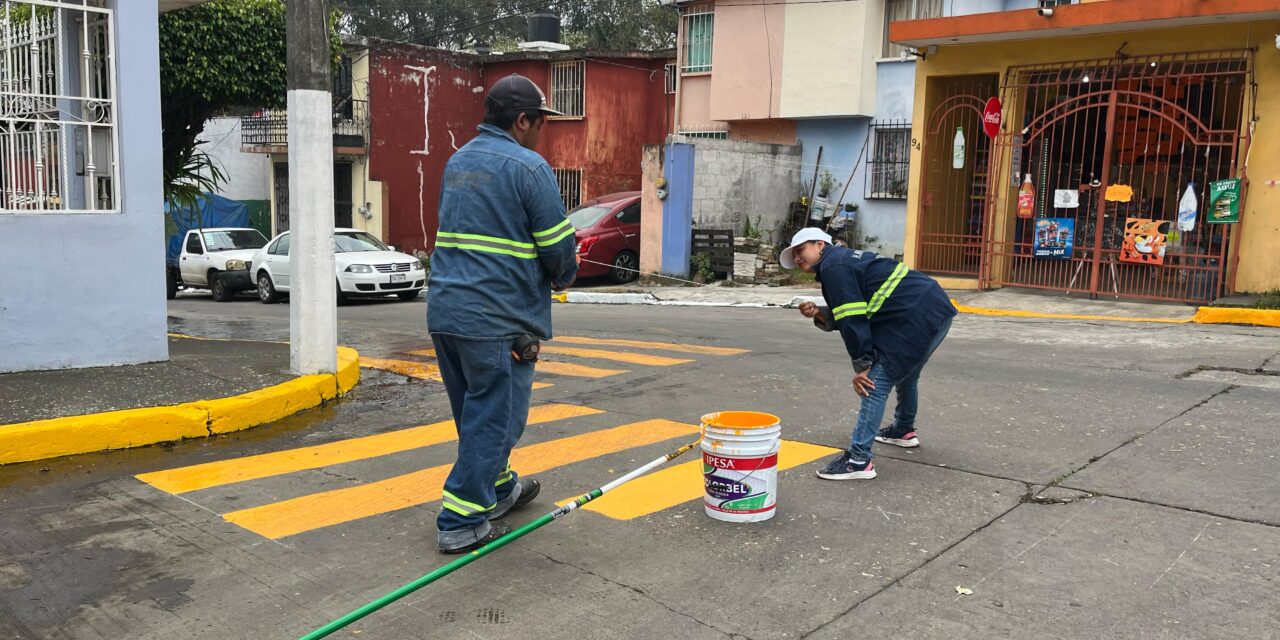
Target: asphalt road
x=1158, y=446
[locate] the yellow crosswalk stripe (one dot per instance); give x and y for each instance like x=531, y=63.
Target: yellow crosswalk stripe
x=616, y=356
x=575, y=370
x=599, y=354
x=299, y=515
x=682, y=483
x=419, y=370
x=551, y=366
x=660, y=346
x=223, y=472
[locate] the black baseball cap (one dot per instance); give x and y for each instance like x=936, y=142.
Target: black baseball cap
x=517, y=93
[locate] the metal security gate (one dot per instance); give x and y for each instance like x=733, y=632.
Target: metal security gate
x=953, y=199
x=1107, y=143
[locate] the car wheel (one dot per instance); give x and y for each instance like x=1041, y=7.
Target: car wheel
x=170, y=284
x=219, y=288
x=266, y=289
x=624, y=269
x=408, y=296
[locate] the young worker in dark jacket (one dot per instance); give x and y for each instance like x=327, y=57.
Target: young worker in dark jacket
x=891, y=319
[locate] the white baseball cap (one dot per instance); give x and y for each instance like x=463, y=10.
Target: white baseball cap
x=808, y=234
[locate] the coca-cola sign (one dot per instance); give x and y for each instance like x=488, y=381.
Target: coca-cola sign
x=992, y=116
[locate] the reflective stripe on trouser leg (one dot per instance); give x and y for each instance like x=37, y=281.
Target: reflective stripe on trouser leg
x=494, y=393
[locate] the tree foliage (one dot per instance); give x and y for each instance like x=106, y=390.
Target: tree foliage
x=216, y=57
x=456, y=24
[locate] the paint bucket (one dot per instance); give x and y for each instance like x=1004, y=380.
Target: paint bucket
x=740, y=465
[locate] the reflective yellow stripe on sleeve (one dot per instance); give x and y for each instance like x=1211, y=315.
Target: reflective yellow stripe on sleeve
x=851, y=309
x=554, y=234
x=886, y=289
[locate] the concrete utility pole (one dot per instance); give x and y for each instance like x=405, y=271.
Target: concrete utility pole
x=313, y=320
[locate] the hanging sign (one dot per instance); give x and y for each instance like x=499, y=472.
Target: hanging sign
x=1066, y=199
x=1054, y=238
x=992, y=117
x=1144, y=241
x=1119, y=193
x=1015, y=161
x=1224, y=201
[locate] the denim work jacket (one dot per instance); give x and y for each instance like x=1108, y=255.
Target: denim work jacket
x=885, y=312
x=503, y=242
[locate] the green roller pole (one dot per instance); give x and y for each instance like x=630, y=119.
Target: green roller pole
x=329, y=629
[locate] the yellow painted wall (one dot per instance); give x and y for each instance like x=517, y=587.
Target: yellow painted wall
x=364, y=192
x=829, y=52
x=1259, y=230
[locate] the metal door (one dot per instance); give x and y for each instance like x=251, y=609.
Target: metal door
x=1110, y=143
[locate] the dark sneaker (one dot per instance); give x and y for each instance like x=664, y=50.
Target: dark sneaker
x=844, y=467
x=906, y=439
x=523, y=493
x=496, y=530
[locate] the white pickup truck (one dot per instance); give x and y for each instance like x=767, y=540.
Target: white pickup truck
x=217, y=260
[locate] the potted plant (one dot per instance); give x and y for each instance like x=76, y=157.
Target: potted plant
x=826, y=184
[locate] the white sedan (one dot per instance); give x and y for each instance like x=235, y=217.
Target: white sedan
x=365, y=267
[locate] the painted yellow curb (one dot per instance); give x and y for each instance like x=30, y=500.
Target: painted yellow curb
x=1203, y=315
x=984, y=311
x=1227, y=315
x=27, y=441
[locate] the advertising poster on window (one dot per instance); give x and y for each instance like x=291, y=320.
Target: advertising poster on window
x=1144, y=241
x=1054, y=238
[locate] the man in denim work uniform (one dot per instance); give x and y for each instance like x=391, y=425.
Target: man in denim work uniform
x=504, y=243
x=891, y=319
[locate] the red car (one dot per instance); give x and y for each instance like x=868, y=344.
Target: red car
x=609, y=236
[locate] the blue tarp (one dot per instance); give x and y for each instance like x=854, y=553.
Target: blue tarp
x=215, y=211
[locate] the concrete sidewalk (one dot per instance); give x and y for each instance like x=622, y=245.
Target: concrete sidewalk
x=206, y=387
x=1008, y=302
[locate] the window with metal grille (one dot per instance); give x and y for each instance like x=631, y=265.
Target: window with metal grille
x=895, y=10
x=670, y=71
x=890, y=163
x=570, y=183
x=567, y=87
x=699, y=29
x=58, y=108
x=1049, y=4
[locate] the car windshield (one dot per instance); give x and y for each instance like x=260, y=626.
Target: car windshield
x=349, y=241
x=584, y=217
x=234, y=239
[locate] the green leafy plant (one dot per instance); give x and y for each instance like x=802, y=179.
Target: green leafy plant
x=826, y=184
x=216, y=57
x=1268, y=300
x=700, y=265
x=752, y=230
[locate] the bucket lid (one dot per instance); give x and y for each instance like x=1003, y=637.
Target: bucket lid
x=740, y=420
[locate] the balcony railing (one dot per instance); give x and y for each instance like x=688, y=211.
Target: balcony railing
x=271, y=128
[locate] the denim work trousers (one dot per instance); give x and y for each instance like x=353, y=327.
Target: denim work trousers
x=872, y=411
x=489, y=395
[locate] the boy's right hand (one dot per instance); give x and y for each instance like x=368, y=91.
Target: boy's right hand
x=814, y=312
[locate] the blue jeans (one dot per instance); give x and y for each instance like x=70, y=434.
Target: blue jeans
x=489, y=395
x=872, y=411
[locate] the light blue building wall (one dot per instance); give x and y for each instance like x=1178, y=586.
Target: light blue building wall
x=881, y=223
x=88, y=290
